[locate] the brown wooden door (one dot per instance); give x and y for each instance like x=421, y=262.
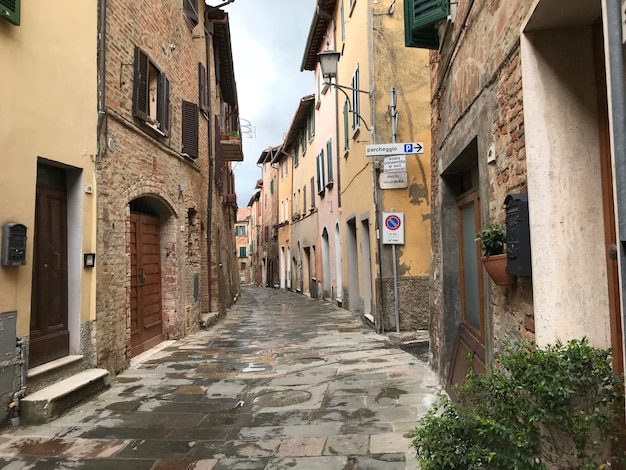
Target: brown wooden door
x=608, y=202
x=145, y=301
x=49, y=334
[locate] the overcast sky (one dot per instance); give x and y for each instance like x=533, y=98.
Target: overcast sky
x=268, y=39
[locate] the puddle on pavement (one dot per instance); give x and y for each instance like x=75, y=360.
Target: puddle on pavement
x=281, y=398
x=389, y=395
x=254, y=367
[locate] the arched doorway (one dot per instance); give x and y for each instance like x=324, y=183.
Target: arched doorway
x=145, y=274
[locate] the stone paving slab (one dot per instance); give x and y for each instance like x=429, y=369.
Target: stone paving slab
x=283, y=382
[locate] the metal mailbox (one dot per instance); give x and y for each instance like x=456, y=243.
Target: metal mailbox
x=13, y=244
x=517, y=235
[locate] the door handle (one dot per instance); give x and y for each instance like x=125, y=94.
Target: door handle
x=141, y=275
x=612, y=251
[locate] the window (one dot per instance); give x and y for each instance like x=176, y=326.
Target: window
x=303, y=141
x=242, y=251
x=240, y=230
x=343, y=23
x=203, y=89
x=329, y=162
x=356, y=100
x=271, y=189
x=304, y=206
x=10, y=11
x=420, y=18
x=346, y=125
x=311, y=125
x=296, y=150
x=190, y=7
x=312, y=192
x=190, y=129
x=242, y=266
x=321, y=182
x=151, y=93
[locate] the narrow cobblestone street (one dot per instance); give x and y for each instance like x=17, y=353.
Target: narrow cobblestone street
x=283, y=382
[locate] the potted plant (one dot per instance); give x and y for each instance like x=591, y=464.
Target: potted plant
x=492, y=243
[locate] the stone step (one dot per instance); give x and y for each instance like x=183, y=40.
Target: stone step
x=52, y=401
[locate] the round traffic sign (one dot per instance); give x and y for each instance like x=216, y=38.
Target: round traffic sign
x=392, y=222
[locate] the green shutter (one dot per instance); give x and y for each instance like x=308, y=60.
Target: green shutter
x=420, y=18
x=10, y=11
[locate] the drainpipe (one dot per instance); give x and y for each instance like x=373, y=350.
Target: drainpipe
x=102, y=5
x=21, y=393
x=612, y=19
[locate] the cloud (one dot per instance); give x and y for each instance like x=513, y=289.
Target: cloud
x=268, y=39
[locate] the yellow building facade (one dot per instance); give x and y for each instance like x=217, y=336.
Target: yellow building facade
x=48, y=137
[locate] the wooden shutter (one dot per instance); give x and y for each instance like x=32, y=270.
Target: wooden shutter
x=329, y=160
x=163, y=104
x=190, y=7
x=420, y=18
x=10, y=11
x=140, y=85
x=190, y=129
x=203, y=92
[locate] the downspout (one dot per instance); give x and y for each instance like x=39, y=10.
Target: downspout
x=102, y=8
x=21, y=393
x=209, y=230
x=612, y=19
x=377, y=190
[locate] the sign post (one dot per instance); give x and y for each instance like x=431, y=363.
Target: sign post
x=393, y=234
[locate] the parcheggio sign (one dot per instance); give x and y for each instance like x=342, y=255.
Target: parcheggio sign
x=394, y=149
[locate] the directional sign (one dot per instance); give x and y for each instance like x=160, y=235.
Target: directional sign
x=394, y=164
x=393, y=228
x=395, y=180
x=394, y=149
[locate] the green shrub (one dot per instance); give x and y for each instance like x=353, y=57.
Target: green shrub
x=550, y=408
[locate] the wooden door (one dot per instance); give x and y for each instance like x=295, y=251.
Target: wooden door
x=608, y=202
x=49, y=334
x=145, y=301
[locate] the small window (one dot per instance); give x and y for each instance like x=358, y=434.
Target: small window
x=356, y=100
x=151, y=94
x=190, y=7
x=346, y=125
x=329, y=163
x=242, y=251
x=321, y=180
x=190, y=129
x=10, y=11
x=243, y=266
x=343, y=23
x=312, y=192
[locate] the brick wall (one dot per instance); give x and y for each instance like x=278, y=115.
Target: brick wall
x=146, y=165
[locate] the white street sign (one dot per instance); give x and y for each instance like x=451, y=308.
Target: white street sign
x=394, y=149
x=393, y=228
x=397, y=180
x=394, y=163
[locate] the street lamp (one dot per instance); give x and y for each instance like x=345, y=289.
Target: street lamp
x=328, y=60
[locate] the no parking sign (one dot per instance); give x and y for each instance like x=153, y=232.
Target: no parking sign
x=393, y=228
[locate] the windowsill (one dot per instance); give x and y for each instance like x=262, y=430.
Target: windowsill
x=154, y=128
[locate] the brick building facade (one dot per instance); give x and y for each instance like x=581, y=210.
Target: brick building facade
x=165, y=238
x=513, y=86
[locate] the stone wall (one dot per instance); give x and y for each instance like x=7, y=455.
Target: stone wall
x=477, y=108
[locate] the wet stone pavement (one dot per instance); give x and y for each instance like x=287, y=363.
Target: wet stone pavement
x=283, y=382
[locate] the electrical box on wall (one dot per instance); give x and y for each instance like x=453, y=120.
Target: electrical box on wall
x=517, y=235
x=13, y=245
